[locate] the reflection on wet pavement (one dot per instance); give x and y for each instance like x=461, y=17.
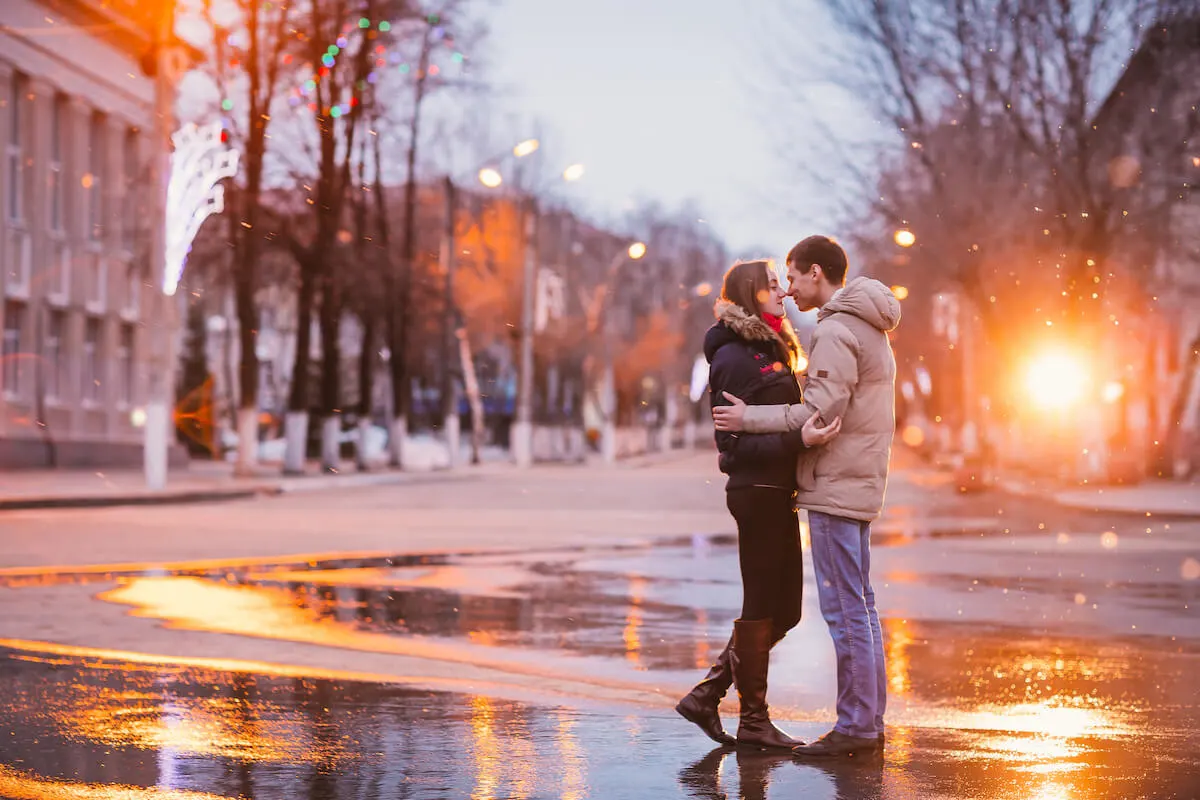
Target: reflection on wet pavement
x=1048, y=663
x=76, y=728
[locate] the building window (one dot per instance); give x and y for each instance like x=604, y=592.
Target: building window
x=93, y=177
x=133, y=290
x=57, y=203
x=10, y=355
x=95, y=263
x=56, y=326
x=129, y=226
x=15, y=149
x=125, y=366
x=92, y=362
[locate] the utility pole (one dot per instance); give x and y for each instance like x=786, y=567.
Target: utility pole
x=522, y=430
x=450, y=424
x=158, y=424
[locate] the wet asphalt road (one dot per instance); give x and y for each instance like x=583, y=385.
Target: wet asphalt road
x=1033, y=653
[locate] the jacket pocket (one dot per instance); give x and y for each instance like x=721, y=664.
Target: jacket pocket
x=806, y=470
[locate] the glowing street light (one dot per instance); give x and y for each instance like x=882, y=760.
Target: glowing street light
x=527, y=147
x=1112, y=392
x=573, y=172
x=637, y=250
x=491, y=178
x=1056, y=380
x=905, y=238
x=901, y=292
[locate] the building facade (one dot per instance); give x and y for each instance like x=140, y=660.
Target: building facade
x=76, y=131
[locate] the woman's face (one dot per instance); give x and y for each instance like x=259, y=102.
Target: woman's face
x=771, y=300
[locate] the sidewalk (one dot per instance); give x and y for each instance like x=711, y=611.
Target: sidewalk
x=215, y=481
x=1151, y=498
x=492, y=507
x=201, y=481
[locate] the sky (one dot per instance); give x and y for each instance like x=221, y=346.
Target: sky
x=670, y=100
x=673, y=101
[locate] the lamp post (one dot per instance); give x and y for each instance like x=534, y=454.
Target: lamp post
x=157, y=423
x=608, y=433
x=449, y=396
x=522, y=430
x=188, y=190
x=454, y=333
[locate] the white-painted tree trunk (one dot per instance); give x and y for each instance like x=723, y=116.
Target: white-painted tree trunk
x=671, y=420
x=451, y=427
x=156, y=443
x=521, y=443
x=295, y=431
x=247, y=455
x=397, y=441
x=360, y=452
x=608, y=428
x=331, y=430
x=689, y=434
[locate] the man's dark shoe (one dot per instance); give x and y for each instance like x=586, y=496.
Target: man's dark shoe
x=700, y=706
x=838, y=745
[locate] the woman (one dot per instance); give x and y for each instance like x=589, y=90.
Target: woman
x=753, y=352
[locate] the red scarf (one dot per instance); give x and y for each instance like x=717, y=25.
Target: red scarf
x=775, y=322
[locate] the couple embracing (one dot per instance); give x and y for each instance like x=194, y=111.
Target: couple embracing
x=826, y=451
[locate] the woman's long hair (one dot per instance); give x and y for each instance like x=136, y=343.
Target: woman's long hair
x=746, y=284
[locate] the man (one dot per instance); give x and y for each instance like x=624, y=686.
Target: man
x=852, y=375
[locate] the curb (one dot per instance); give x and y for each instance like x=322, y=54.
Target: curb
x=166, y=498
x=1100, y=504
x=294, y=485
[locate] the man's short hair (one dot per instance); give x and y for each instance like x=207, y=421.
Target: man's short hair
x=825, y=253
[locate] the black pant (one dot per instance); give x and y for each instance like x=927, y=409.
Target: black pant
x=769, y=554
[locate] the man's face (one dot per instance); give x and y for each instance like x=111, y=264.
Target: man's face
x=803, y=287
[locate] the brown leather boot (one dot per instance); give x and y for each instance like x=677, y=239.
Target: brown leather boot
x=700, y=705
x=752, y=640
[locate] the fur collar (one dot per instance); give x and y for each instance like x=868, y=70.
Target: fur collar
x=754, y=329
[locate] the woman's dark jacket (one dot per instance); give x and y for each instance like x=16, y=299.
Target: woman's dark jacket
x=751, y=362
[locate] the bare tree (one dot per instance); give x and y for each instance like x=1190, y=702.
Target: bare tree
x=435, y=28
x=995, y=104
x=248, y=78
x=339, y=46
x=1025, y=150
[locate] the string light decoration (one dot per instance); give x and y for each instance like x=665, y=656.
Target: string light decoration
x=200, y=161
x=301, y=95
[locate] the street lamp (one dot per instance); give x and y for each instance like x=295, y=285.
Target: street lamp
x=527, y=147
x=573, y=172
x=521, y=436
x=490, y=177
x=608, y=433
x=904, y=237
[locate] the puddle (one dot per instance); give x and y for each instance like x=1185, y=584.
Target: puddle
x=1003, y=681
x=96, y=728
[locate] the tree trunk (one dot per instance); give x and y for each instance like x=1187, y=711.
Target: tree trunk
x=1168, y=438
x=331, y=360
x=399, y=321
x=366, y=387
x=297, y=417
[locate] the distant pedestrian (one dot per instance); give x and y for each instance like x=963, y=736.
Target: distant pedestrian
x=852, y=376
x=752, y=352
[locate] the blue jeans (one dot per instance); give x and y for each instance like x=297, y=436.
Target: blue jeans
x=841, y=552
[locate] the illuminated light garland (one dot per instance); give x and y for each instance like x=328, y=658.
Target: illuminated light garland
x=200, y=161
x=328, y=60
